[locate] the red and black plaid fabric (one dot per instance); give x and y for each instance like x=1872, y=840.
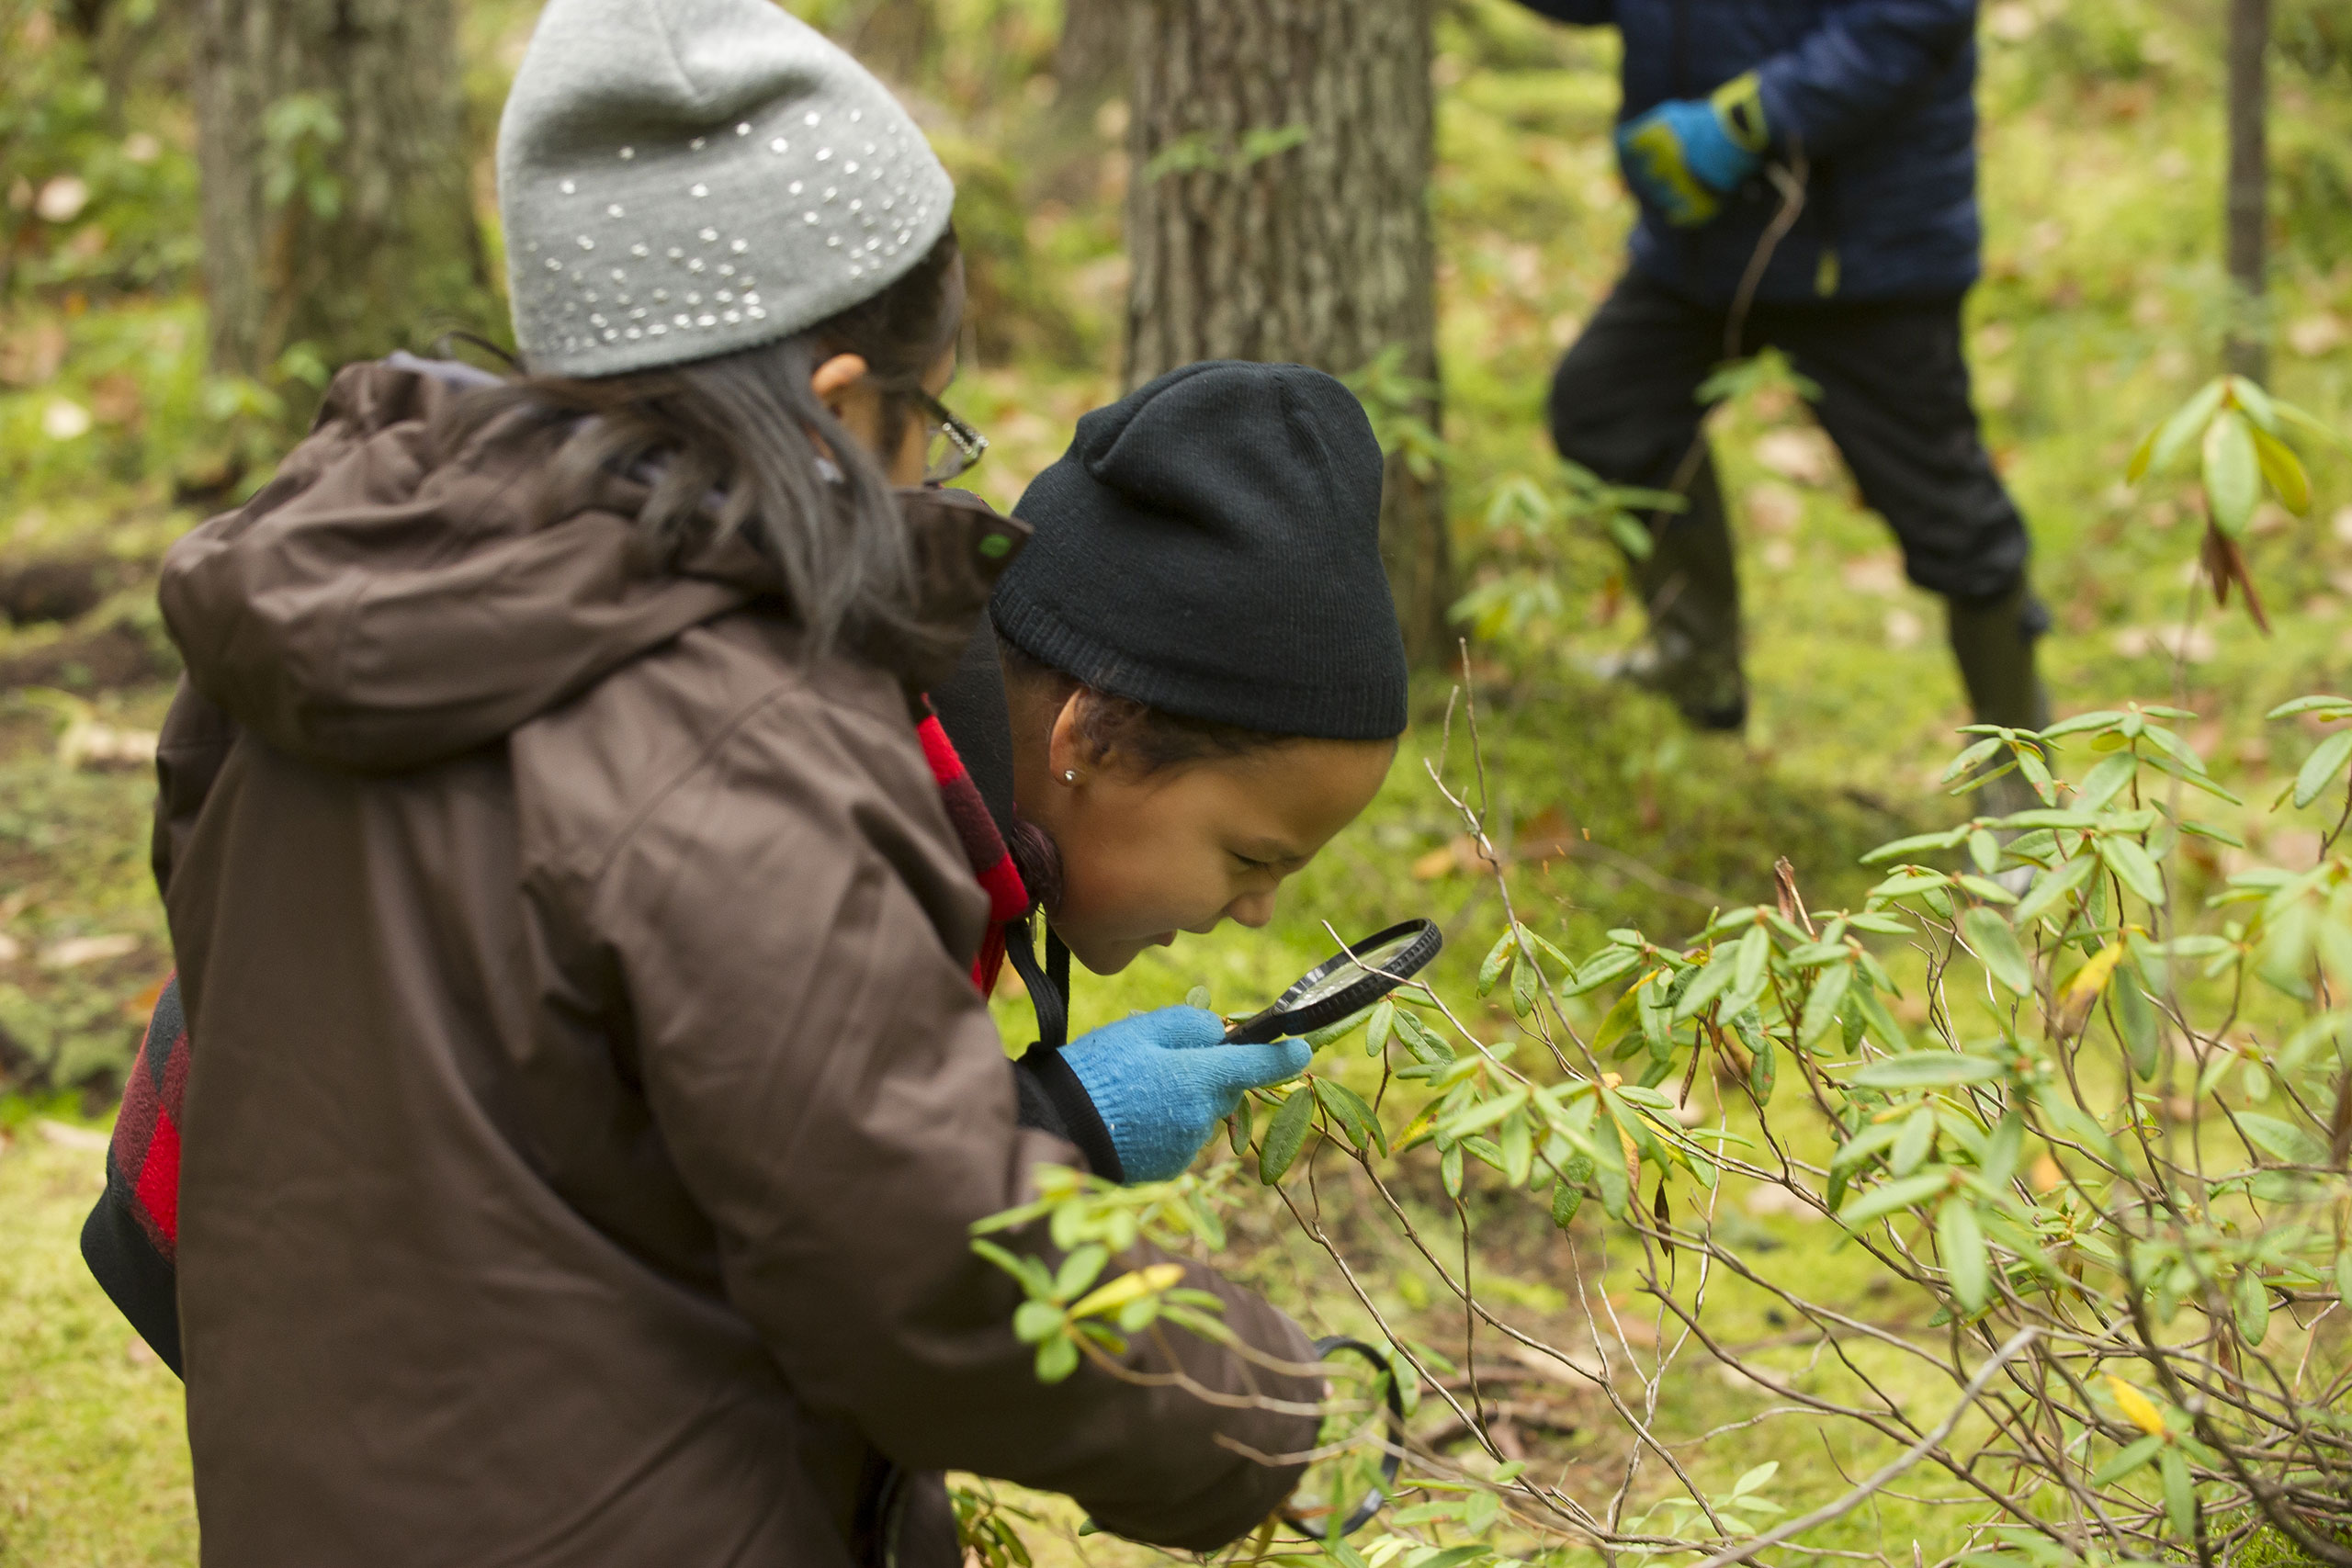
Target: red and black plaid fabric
x=983, y=845
x=144, y=1161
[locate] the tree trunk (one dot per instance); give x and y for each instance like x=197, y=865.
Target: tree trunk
x=1091, y=58
x=1279, y=211
x=338, y=200
x=2248, y=348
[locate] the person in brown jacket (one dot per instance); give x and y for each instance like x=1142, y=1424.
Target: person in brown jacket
x=581, y=926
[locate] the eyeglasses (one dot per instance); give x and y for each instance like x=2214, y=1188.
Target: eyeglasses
x=953, y=445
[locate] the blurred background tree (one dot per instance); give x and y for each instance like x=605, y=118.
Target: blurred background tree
x=1279, y=209
x=338, y=201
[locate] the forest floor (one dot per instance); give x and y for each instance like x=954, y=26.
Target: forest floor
x=2102, y=153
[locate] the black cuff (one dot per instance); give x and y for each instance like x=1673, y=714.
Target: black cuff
x=140, y=1281
x=1053, y=1101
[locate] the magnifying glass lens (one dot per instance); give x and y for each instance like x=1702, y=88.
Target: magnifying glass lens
x=1368, y=960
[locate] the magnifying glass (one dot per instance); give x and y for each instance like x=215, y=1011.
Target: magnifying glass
x=1346, y=983
x=1364, y=1433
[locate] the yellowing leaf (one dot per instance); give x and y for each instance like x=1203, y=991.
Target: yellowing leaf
x=2137, y=1407
x=1126, y=1288
x=2092, y=977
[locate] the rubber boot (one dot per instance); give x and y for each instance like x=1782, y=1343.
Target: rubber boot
x=1992, y=640
x=1689, y=584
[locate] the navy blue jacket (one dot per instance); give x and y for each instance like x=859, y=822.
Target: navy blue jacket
x=1880, y=97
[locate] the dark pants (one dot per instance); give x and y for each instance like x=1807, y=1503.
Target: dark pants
x=1894, y=398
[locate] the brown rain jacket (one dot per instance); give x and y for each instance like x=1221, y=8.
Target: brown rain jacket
x=592, y=1098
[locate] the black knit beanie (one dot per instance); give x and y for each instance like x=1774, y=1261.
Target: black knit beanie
x=1209, y=545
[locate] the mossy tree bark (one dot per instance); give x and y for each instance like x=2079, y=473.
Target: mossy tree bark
x=1279, y=211
x=338, y=201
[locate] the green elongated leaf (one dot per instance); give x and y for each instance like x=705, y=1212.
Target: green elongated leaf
x=1079, y=1269
x=1926, y=1069
x=2250, y=1305
x=1762, y=1069
x=2284, y=471
x=2233, y=474
x=1285, y=1135
x=1821, y=1004
x=1881, y=922
x=1917, y=842
x=1965, y=760
x=1617, y=1023
x=1961, y=1241
x=1864, y=1144
x=2049, y=889
x=1604, y=969
x=1913, y=1144
x=1518, y=1143
x=1355, y=1118
x=1449, y=1170
x=2133, y=868
x=1886, y=1200
x=2180, y=1494
x=2080, y=722
x=2344, y=1275
x=1995, y=945
x=2311, y=424
x=1713, y=981
x=2281, y=1140
x=2259, y=407
x=1756, y=1477
x=1057, y=1359
x=2335, y=708
x=1568, y=1191
x=2106, y=781
x=1330, y=1034
x=1237, y=1126
x=1490, y=969
x=2126, y=1459
x=1484, y=1114
x=1523, y=979
x=1880, y=1022
x=2001, y=1151
x=2135, y=1024
x=2172, y=436
x=1755, y=951
x=2319, y=769
x=1375, y=1034
x=1985, y=851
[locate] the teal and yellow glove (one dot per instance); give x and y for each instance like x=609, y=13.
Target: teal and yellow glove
x=1685, y=156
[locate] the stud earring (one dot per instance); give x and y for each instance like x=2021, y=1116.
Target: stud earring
x=1069, y=775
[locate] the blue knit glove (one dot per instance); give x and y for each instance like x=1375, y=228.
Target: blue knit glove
x=1684, y=156
x=1162, y=1081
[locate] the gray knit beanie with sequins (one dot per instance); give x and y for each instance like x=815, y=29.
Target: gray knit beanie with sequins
x=683, y=178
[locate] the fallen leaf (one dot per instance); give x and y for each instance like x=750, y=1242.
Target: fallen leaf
x=65, y=419
x=1774, y=508
x=2315, y=335
x=31, y=356
x=1880, y=573
x=61, y=198
x=1800, y=454
x=71, y=1137
x=77, y=951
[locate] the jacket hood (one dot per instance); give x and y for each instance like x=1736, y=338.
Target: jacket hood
x=377, y=607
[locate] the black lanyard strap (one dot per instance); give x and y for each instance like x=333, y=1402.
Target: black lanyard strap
x=1049, y=987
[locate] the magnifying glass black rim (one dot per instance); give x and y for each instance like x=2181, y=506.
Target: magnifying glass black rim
x=1283, y=1019
x=1391, y=1463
